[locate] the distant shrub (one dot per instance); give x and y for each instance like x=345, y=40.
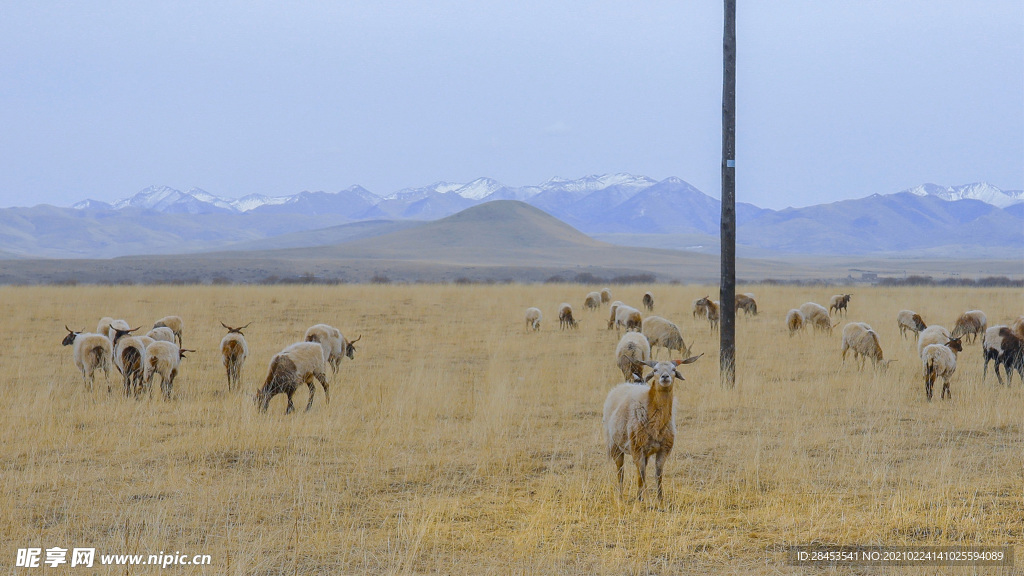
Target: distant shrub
x=634, y=279
x=380, y=279
x=556, y=279
x=588, y=278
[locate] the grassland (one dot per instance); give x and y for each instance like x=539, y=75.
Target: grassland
x=457, y=443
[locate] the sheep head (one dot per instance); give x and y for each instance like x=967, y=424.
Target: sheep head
x=70, y=338
x=666, y=371
x=350, y=349
x=954, y=344
x=118, y=334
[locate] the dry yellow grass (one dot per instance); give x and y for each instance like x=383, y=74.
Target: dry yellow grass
x=458, y=443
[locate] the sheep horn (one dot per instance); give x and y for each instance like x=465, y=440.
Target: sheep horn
x=356, y=340
x=689, y=360
x=68, y=329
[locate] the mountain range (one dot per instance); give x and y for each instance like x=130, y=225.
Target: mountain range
x=974, y=219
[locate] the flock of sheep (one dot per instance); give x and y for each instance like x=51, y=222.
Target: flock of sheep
x=140, y=358
x=638, y=417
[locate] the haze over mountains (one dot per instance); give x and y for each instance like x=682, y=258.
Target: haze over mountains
x=975, y=219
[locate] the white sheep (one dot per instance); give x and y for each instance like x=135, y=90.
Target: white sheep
x=163, y=358
x=175, y=323
x=130, y=358
x=648, y=301
x=627, y=317
x=565, y=319
x=533, y=318
x=92, y=352
x=940, y=360
x=234, y=351
x=631, y=353
x=335, y=345
x=592, y=301
x=910, y=321
x=934, y=334
x=661, y=332
x=860, y=338
x=299, y=363
x=970, y=323
x=162, y=334
x=838, y=303
x=794, y=321
x=816, y=315
x=638, y=421
x=606, y=295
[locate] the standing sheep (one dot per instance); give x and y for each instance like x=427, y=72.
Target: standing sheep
x=1001, y=344
x=970, y=323
x=661, y=332
x=909, y=321
x=638, y=421
x=163, y=358
x=630, y=354
x=746, y=303
x=175, y=323
x=592, y=301
x=130, y=358
x=860, y=338
x=817, y=316
x=533, y=317
x=940, y=360
x=934, y=334
x=234, y=351
x=838, y=303
x=627, y=317
x=710, y=308
x=334, y=343
x=648, y=301
x=794, y=321
x=606, y=295
x=565, y=319
x=92, y=352
x=297, y=364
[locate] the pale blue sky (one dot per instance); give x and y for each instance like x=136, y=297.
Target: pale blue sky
x=836, y=99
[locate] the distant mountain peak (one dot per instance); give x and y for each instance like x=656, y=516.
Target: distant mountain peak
x=982, y=191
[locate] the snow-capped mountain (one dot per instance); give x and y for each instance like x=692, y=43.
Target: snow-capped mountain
x=982, y=191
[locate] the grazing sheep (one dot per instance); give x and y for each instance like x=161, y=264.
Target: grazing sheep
x=648, y=301
x=838, y=303
x=934, y=334
x=162, y=334
x=92, y=352
x=234, y=350
x=661, y=332
x=606, y=295
x=817, y=316
x=625, y=316
x=710, y=308
x=746, y=303
x=860, y=338
x=592, y=301
x=631, y=353
x=565, y=319
x=794, y=321
x=104, y=327
x=940, y=360
x=700, y=307
x=163, y=358
x=297, y=364
x=638, y=421
x=533, y=317
x=970, y=323
x=1017, y=327
x=175, y=323
x=910, y=321
x=130, y=358
x=334, y=343
x=1001, y=344
x=611, y=313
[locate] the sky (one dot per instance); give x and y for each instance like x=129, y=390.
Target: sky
x=835, y=99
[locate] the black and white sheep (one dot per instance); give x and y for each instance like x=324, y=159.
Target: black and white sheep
x=638, y=421
x=300, y=363
x=970, y=323
x=940, y=360
x=663, y=333
x=910, y=321
x=1004, y=346
x=92, y=352
x=233, y=351
x=565, y=319
x=631, y=353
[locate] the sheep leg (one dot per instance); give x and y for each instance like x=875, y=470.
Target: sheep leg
x=312, y=392
x=170, y=384
x=659, y=466
x=640, y=460
x=620, y=458
x=323, y=382
x=945, y=388
x=998, y=375
x=291, y=406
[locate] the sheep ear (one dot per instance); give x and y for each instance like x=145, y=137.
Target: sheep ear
x=648, y=377
x=678, y=375
x=689, y=360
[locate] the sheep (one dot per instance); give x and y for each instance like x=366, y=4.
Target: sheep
x=648, y=301
x=105, y=325
x=163, y=358
x=334, y=343
x=910, y=321
x=700, y=307
x=630, y=354
x=162, y=334
x=746, y=303
x=565, y=319
x=611, y=313
x=940, y=360
x=1017, y=327
x=1001, y=344
x=234, y=350
x=970, y=323
x=817, y=316
x=794, y=321
x=710, y=308
x=175, y=323
x=92, y=352
x=625, y=316
x=934, y=334
x=838, y=303
x=606, y=295
x=860, y=338
x=661, y=332
x=592, y=301
x=533, y=317
x=638, y=421
x=129, y=358
x=297, y=364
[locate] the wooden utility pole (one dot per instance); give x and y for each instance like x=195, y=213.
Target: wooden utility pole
x=728, y=281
